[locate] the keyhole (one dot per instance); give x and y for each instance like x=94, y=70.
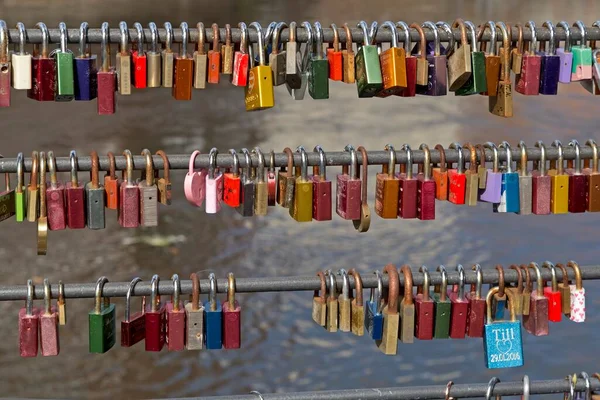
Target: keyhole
x=96, y=202
x=150, y=198
x=4, y=68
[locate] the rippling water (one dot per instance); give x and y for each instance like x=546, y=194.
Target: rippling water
x=283, y=350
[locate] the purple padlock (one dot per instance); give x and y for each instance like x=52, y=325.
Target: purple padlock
x=437, y=79
x=491, y=193
x=565, y=55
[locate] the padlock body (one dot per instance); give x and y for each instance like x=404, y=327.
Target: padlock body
x=201, y=70
x=259, y=92
x=129, y=206
x=509, y=193
x=214, y=62
x=123, y=73
x=183, y=78
x=55, y=205
x=424, y=312
x=321, y=199
x=581, y=68
x=102, y=328
x=477, y=82
x=387, y=190
x=348, y=198
x=554, y=304
x=318, y=79
x=499, y=306
x=437, y=82
x=457, y=185
x=261, y=197
x=5, y=84
x=43, y=79
x=407, y=197
x=357, y=318
x=566, y=65
x=577, y=313
x=112, y=190
x=232, y=331
x=156, y=327
x=240, y=69
x=86, y=78
x=332, y=319
x=168, y=58
x=231, y=189
x=393, y=70
x=94, y=198
x=65, y=86
x=388, y=344
x=154, y=72
x=559, y=199
x=134, y=330
x=214, y=193
x=528, y=82
x=148, y=204
x=214, y=320
x=525, y=194
x=502, y=345
x=492, y=74
x=319, y=310
x=32, y=204
x=335, y=65
x=593, y=191
x=458, y=316
x=75, y=200
x=194, y=327
x=21, y=71
x=7, y=205
x=272, y=183
x=502, y=104
x=373, y=321
x=411, y=77
x=493, y=190
x=369, y=80
x=550, y=70
x=175, y=335
x=477, y=316
x=277, y=64
x=540, y=194
x=407, y=322
x=442, y=311
x=139, y=70
x=471, y=187
x=344, y=314
x=536, y=322
x=246, y=207
x=20, y=206
x=578, y=188
x=441, y=183
x=49, y=341
x=106, y=92
x=459, y=67
x=292, y=69
x=28, y=333
x=227, y=58
x=348, y=61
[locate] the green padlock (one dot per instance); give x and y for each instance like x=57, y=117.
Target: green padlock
x=582, y=57
x=102, y=322
x=477, y=82
x=65, y=84
x=442, y=306
x=20, y=197
x=318, y=76
x=369, y=80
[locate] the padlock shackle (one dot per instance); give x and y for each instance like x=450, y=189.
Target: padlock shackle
x=493, y=38
x=154, y=296
x=73, y=161
x=478, y=281
x=261, y=42
x=393, y=288
x=481, y=149
x=29, y=300
x=153, y=37
x=105, y=47
x=212, y=294
x=235, y=167
x=260, y=169
x=461, y=282
x=528, y=282
x=390, y=167
x=322, y=293
x=550, y=266
x=321, y=169
x=577, y=167
x=425, y=273
x=212, y=162
x=583, y=32
x=336, y=37
x=551, y=40
x=558, y=163
x=44, y=52
x=185, y=34
x=33, y=175
x=348, y=38
x=275, y=38
x=303, y=163
x=169, y=36
x=392, y=27
x=541, y=164
x=130, y=290
x=444, y=285
x=426, y=161
x=47, y=298
x=459, y=23
x=290, y=162
x=22, y=38
x=501, y=283
x=3, y=42
x=567, y=29
x=460, y=164
x=248, y=159
x=538, y=278
x=200, y=45
x=176, y=292
x=523, y=162
x=83, y=47
x=506, y=45
x=532, y=45
x=318, y=44
x=20, y=173
x=345, y=284
x=43, y=212
x=353, y=161
x=473, y=157
x=442, y=164
x=409, y=161
x=228, y=34
x=61, y=292
x=594, y=162
x=511, y=302
x=128, y=173
x=408, y=283
x=379, y=289
x=472, y=35
x=124, y=36
x=364, y=184
x=231, y=291
x=578, y=282
x=304, y=62
x=450, y=34
x=422, y=41
x=519, y=278
x=436, y=37
x=195, y=296
x=358, y=286
x=94, y=171
x=506, y=145
x=99, y=286
x=166, y=169
x=332, y=285
x=243, y=39
x=365, y=28
x=141, y=38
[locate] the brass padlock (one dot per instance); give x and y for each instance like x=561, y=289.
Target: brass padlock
x=459, y=59
x=391, y=318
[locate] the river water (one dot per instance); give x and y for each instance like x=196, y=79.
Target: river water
x=283, y=350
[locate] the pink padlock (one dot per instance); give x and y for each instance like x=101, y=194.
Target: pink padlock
x=194, y=185
x=214, y=184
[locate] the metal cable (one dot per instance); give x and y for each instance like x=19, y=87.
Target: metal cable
x=180, y=161
x=273, y=284
x=383, y=35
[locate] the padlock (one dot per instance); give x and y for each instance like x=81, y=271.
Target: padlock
x=481, y=169
x=374, y=308
x=154, y=58
x=247, y=190
x=42, y=222
x=442, y=307
x=139, y=61
x=348, y=58
x=566, y=57
x=357, y=305
x=293, y=78
x=168, y=57
x=94, y=196
x=578, y=182
x=133, y=327
x=214, y=184
x=502, y=104
x=525, y=183
x=107, y=76
x=471, y=177
x=440, y=175
x=124, y=63
x=318, y=73
x=259, y=92
x=321, y=191
x=21, y=191
x=459, y=59
x=194, y=315
x=493, y=189
x=175, y=334
x=7, y=200
x=201, y=58
x=550, y=66
x=502, y=342
x=528, y=81
x=61, y=305
x=33, y=189
x=437, y=82
x=129, y=197
x=581, y=68
x=393, y=65
x=102, y=325
x=5, y=66
x=213, y=317
x=75, y=197
x=65, y=86
x=232, y=317
x=593, y=191
x=577, y=295
x=164, y=183
x=29, y=321
x=344, y=303
x=457, y=178
x=332, y=320
x=492, y=59
x=227, y=53
x=362, y=224
x=85, y=73
x=272, y=181
x=476, y=317
x=407, y=308
x=194, y=184
x=21, y=62
x=541, y=184
x=425, y=188
x=296, y=84
x=477, y=82
x=499, y=299
x=553, y=295
x=509, y=188
x=388, y=343
x=261, y=187
x=111, y=184
x=517, y=291
x=43, y=70
x=411, y=63
x=155, y=319
x=334, y=57
x=407, y=197
x=565, y=291
x=214, y=57
x=387, y=188
x=348, y=187
x=277, y=59
x=422, y=63
x=424, y=310
x=319, y=307
x=459, y=308
x=536, y=322
x=559, y=198
x=369, y=80
x=287, y=180
x=232, y=182
x=183, y=67
x=527, y=289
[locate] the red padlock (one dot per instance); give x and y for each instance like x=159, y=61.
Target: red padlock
x=477, y=306
x=49, y=325
x=232, y=317
x=272, y=180
x=528, y=81
x=155, y=320
x=133, y=328
x=321, y=189
x=232, y=182
x=241, y=60
x=424, y=309
x=348, y=199
x=75, y=197
x=106, y=77
x=459, y=307
x=553, y=295
x=129, y=196
x=29, y=319
x=43, y=70
x=425, y=188
x=578, y=182
x=536, y=322
x=214, y=57
x=139, y=60
x=457, y=178
x=175, y=319
x=55, y=198
x=334, y=56
x=407, y=198
x=411, y=64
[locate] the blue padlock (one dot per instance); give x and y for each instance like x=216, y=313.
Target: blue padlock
x=509, y=188
x=214, y=317
x=550, y=67
x=85, y=72
x=374, y=317
x=502, y=342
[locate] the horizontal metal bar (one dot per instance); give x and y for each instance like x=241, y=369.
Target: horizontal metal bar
x=224, y=159
x=383, y=35
x=421, y=392
x=276, y=284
